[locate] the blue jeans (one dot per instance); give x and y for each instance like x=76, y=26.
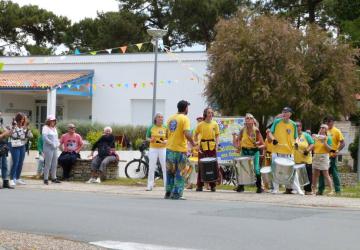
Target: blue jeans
x=18, y=155
x=4, y=167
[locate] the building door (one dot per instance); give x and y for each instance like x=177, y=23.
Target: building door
x=40, y=114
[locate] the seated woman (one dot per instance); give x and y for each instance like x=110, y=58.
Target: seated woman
x=71, y=144
x=106, y=154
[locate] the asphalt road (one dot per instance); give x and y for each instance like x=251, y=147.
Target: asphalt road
x=190, y=224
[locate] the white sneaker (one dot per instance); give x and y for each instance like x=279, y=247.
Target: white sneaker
x=12, y=183
x=98, y=180
x=91, y=180
x=300, y=192
x=20, y=182
x=274, y=191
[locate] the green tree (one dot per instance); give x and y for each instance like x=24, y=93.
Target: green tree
x=30, y=27
x=260, y=64
x=107, y=30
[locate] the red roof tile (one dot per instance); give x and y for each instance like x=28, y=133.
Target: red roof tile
x=38, y=79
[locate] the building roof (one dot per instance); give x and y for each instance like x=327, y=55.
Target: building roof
x=41, y=79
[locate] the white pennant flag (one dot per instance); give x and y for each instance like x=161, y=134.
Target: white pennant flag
x=109, y=51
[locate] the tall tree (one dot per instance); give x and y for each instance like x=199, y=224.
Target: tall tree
x=260, y=64
x=107, y=30
x=30, y=27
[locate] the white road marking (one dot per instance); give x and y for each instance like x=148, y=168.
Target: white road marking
x=133, y=246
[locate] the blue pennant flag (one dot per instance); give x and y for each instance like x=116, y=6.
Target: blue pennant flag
x=77, y=51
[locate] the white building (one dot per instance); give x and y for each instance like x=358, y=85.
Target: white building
x=111, y=89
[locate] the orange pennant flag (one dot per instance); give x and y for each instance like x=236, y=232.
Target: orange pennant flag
x=123, y=49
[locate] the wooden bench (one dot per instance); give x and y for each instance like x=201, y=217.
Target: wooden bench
x=81, y=171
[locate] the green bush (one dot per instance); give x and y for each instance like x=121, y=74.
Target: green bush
x=91, y=132
x=353, y=149
x=34, y=140
x=93, y=136
x=137, y=143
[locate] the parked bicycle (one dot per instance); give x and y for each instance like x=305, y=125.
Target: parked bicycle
x=138, y=168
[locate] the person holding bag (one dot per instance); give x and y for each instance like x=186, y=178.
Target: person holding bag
x=18, y=140
x=4, y=151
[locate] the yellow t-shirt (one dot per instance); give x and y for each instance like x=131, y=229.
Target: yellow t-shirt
x=303, y=143
x=285, y=133
x=336, y=137
x=159, y=133
x=176, y=125
x=207, y=131
x=320, y=148
x=248, y=141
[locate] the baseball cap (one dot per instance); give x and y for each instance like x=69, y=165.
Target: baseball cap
x=182, y=105
x=287, y=109
x=51, y=117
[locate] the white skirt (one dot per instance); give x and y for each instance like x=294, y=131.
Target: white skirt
x=321, y=161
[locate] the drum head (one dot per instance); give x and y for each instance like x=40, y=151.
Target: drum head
x=208, y=159
x=297, y=166
x=265, y=170
x=284, y=161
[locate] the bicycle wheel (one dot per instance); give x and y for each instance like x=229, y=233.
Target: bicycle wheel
x=136, y=169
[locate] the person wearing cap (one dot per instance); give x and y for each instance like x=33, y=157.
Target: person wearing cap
x=338, y=143
x=18, y=139
x=250, y=142
x=323, y=145
x=156, y=134
x=70, y=144
x=50, y=147
x=283, y=134
x=208, y=131
x=304, y=145
x=176, y=159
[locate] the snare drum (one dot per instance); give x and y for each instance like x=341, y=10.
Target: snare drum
x=245, y=173
x=266, y=175
x=302, y=174
x=208, y=169
x=283, y=170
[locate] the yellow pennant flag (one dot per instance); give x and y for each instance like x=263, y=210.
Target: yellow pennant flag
x=139, y=45
x=94, y=87
x=93, y=53
x=123, y=49
x=1, y=66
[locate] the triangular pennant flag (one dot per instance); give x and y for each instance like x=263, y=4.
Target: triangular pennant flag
x=139, y=45
x=112, y=85
x=108, y=51
x=143, y=85
x=119, y=85
x=123, y=49
x=151, y=83
x=169, y=81
x=135, y=85
x=162, y=82
x=1, y=66
x=78, y=87
x=94, y=86
x=30, y=61
x=88, y=85
x=69, y=85
x=93, y=53
x=77, y=51
x=126, y=85
x=103, y=85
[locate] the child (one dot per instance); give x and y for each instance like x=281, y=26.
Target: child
x=41, y=161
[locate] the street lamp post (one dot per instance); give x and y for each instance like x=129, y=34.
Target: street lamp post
x=156, y=35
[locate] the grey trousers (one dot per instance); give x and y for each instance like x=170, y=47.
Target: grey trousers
x=50, y=157
x=101, y=164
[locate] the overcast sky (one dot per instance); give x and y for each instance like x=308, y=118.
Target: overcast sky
x=73, y=9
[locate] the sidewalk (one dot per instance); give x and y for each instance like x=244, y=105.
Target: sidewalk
x=219, y=195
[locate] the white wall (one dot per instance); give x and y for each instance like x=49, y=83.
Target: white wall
x=113, y=105
x=78, y=109
x=11, y=103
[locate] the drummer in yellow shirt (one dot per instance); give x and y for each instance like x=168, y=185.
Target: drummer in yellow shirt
x=208, y=131
x=176, y=149
x=323, y=145
x=338, y=143
x=250, y=142
x=303, y=146
x=283, y=134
